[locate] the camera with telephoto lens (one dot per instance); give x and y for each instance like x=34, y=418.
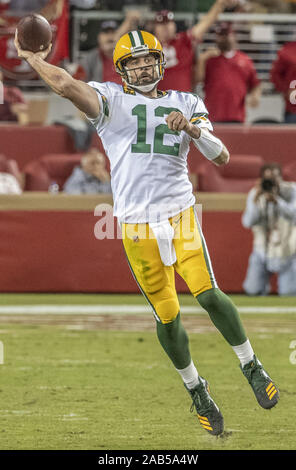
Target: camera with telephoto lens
x=268, y=184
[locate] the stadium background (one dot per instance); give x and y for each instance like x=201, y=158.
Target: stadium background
x=48, y=247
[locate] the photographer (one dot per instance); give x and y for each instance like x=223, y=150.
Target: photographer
x=271, y=213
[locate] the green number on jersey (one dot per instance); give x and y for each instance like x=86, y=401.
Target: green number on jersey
x=141, y=146
x=161, y=130
x=158, y=146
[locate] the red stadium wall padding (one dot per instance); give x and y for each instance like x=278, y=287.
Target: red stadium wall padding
x=27, y=143
x=58, y=252
x=273, y=143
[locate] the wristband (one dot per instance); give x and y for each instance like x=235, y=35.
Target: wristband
x=209, y=145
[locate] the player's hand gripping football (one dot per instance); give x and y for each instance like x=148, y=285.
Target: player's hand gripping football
x=28, y=54
x=176, y=121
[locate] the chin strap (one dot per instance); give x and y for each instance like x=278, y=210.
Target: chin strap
x=144, y=88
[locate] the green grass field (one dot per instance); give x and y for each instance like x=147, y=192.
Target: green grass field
x=102, y=382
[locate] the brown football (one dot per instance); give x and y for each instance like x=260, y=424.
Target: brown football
x=34, y=33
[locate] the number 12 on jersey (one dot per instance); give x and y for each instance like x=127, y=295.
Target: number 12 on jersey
x=140, y=111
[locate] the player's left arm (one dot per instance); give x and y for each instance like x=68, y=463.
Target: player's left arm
x=208, y=144
x=200, y=28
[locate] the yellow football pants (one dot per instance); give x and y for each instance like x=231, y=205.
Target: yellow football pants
x=157, y=281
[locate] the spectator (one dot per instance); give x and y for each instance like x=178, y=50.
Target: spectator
x=271, y=214
x=3, y=5
x=57, y=13
x=14, y=107
x=179, y=48
x=283, y=76
x=98, y=63
x=90, y=177
x=9, y=184
x=229, y=77
x=51, y=9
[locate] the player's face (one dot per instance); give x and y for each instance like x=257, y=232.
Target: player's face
x=141, y=70
x=165, y=31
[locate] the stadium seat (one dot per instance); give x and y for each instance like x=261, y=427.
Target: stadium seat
x=239, y=175
x=289, y=171
x=41, y=173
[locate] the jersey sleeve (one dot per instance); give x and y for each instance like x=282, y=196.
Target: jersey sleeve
x=200, y=115
x=104, y=97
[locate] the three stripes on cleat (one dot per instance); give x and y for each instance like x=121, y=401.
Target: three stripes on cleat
x=271, y=390
x=205, y=422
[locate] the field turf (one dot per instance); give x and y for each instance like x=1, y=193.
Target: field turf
x=102, y=382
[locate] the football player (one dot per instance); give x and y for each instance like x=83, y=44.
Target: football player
x=146, y=135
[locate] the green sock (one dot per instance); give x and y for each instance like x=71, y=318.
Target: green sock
x=224, y=315
x=174, y=340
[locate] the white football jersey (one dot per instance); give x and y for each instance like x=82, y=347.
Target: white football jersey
x=148, y=161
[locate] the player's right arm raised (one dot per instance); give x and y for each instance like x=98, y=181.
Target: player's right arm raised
x=80, y=93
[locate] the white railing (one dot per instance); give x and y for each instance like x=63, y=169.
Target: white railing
x=260, y=36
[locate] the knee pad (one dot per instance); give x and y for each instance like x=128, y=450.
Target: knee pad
x=167, y=310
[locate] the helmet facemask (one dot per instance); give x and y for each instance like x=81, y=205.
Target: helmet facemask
x=128, y=74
